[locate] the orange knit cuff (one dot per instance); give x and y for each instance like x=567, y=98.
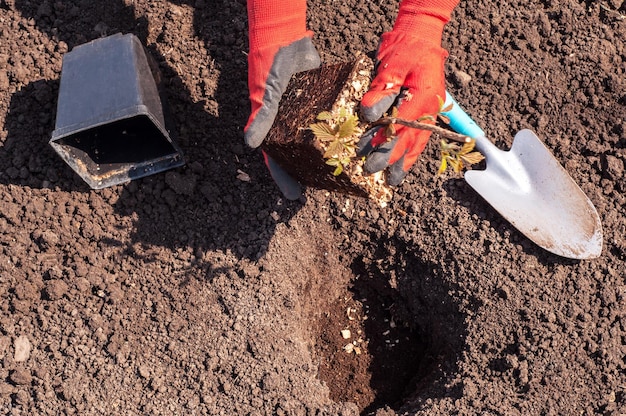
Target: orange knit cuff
x=425, y=18
x=276, y=22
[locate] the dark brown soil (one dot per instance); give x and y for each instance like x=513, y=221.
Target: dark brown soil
x=198, y=291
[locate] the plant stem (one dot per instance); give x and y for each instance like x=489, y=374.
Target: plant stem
x=460, y=138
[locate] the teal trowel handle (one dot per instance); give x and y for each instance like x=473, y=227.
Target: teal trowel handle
x=460, y=121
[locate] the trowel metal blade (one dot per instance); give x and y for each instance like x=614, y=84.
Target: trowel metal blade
x=530, y=189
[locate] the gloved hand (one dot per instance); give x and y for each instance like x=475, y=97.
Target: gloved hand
x=280, y=46
x=409, y=73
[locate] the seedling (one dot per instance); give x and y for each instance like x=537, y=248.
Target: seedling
x=458, y=156
x=337, y=133
x=452, y=154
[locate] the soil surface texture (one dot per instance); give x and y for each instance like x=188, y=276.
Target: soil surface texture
x=201, y=291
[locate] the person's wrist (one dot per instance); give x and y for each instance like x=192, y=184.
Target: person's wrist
x=425, y=19
x=276, y=23
x=427, y=28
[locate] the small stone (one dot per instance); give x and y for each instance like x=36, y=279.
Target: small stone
x=144, y=371
x=5, y=388
x=345, y=333
x=181, y=184
x=462, y=78
x=21, y=377
x=523, y=372
x=62, y=47
x=55, y=289
x=22, y=348
x=26, y=291
x=45, y=239
x=614, y=167
x=22, y=398
x=612, y=397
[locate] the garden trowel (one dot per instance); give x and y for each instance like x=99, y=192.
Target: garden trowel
x=530, y=189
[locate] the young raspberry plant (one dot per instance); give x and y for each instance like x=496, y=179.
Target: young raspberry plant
x=457, y=154
x=452, y=154
x=337, y=133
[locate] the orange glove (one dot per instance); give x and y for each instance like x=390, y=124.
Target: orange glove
x=280, y=46
x=410, y=73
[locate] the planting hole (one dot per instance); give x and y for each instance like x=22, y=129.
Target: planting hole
x=369, y=351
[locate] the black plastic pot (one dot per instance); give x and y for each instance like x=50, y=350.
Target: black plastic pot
x=110, y=122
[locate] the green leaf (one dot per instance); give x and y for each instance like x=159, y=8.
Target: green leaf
x=440, y=100
x=346, y=129
x=325, y=116
x=472, y=158
x=467, y=148
x=336, y=130
x=349, y=146
x=335, y=149
x=323, y=131
x=455, y=164
x=443, y=166
x=449, y=147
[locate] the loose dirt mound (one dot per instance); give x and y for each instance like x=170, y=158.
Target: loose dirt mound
x=198, y=291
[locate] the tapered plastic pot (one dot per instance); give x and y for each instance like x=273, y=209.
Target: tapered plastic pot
x=111, y=122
